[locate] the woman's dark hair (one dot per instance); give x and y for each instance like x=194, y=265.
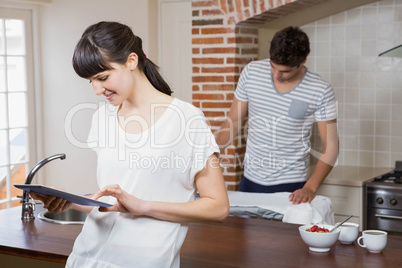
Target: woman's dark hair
x=289, y=47
x=112, y=42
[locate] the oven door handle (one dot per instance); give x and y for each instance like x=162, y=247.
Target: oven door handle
x=388, y=216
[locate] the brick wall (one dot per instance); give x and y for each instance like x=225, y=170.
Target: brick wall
x=224, y=40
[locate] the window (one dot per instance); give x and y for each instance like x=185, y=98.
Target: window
x=16, y=102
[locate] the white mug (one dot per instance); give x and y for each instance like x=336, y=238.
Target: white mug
x=349, y=232
x=374, y=240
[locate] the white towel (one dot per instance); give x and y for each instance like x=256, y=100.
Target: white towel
x=319, y=211
x=299, y=214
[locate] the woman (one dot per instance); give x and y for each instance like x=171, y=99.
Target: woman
x=154, y=153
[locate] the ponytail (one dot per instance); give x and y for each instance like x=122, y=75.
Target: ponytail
x=151, y=71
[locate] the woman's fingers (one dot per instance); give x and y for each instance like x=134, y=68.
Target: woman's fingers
x=114, y=208
x=59, y=205
x=110, y=190
x=47, y=201
x=56, y=205
x=116, y=192
x=37, y=196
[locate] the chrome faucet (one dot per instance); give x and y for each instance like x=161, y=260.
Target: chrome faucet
x=28, y=205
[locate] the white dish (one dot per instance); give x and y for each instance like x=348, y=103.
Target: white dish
x=319, y=242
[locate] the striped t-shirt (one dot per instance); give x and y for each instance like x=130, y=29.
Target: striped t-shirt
x=279, y=124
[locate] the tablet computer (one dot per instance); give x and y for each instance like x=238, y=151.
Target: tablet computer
x=73, y=198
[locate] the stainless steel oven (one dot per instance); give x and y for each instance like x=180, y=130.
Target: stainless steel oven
x=383, y=202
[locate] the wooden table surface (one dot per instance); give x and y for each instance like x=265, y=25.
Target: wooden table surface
x=238, y=242
x=243, y=242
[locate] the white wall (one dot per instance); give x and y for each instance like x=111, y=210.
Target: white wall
x=175, y=46
x=61, y=24
x=345, y=50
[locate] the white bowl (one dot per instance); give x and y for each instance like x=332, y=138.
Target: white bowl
x=319, y=242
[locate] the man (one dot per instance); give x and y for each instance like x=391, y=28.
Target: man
x=283, y=99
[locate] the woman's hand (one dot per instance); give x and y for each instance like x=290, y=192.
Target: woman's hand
x=52, y=203
x=125, y=202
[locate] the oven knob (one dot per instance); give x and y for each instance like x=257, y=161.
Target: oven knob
x=380, y=200
x=393, y=201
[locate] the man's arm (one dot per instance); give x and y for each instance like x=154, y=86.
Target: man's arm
x=231, y=127
x=330, y=148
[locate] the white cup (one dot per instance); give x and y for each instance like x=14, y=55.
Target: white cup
x=374, y=240
x=349, y=232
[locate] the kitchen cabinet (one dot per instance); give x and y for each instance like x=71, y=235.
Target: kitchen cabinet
x=346, y=200
x=345, y=186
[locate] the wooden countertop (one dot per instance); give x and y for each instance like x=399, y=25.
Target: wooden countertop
x=35, y=239
x=353, y=176
x=238, y=242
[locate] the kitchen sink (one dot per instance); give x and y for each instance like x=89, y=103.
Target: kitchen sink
x=71, y=216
